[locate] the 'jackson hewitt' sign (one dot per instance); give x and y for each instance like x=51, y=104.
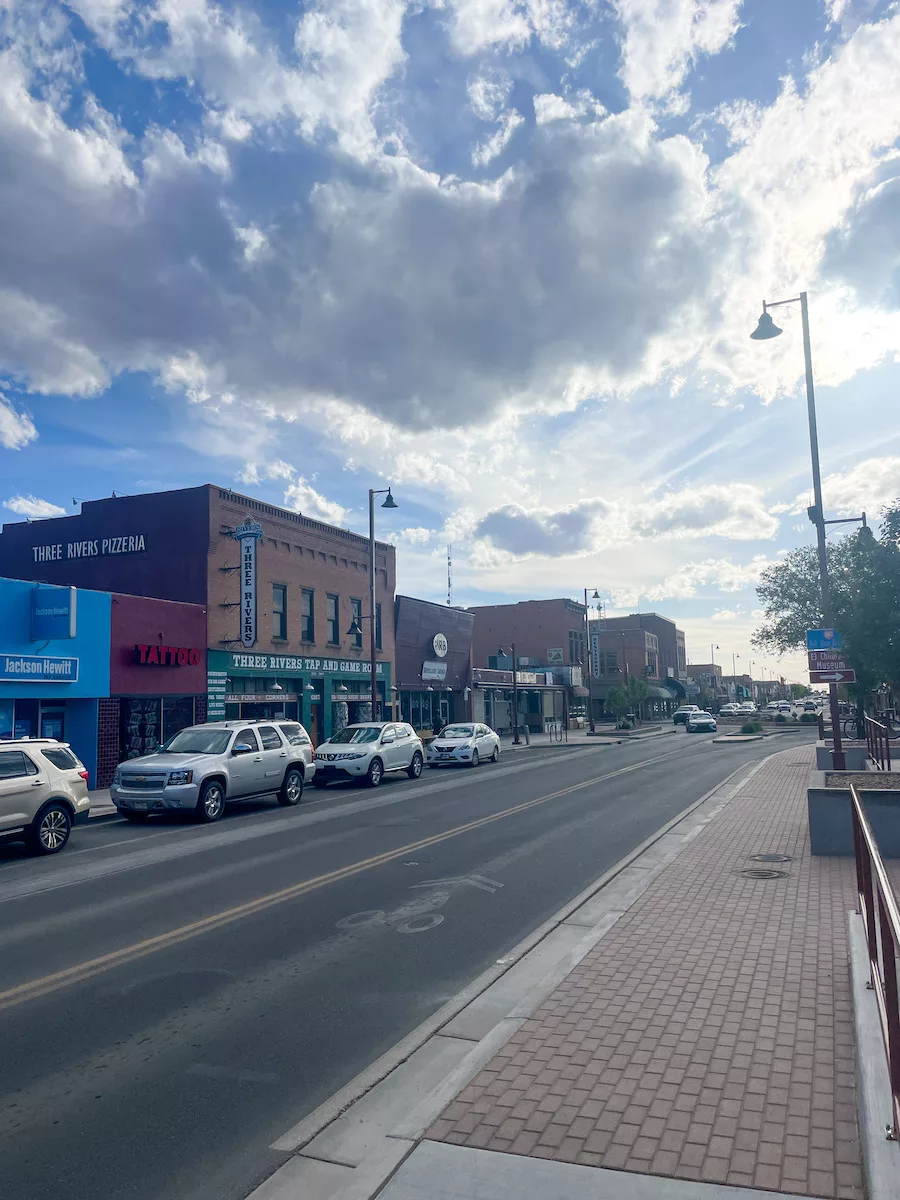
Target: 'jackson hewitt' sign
x=33, y=668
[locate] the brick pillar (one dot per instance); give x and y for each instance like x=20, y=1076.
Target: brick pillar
x=107, y=740
x=199, y=710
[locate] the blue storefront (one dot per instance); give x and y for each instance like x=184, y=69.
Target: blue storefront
x=54, y=664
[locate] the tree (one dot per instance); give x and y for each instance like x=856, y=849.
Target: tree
x=627, y=697
x=798, y=691
x=864, y=575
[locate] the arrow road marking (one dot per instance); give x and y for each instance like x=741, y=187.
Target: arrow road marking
x=475, y=881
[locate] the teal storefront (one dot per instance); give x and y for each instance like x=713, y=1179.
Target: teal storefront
x=325, y=694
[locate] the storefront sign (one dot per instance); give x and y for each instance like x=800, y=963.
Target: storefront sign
x=167, y=656
x=259, y=697
x=440, y=645
x=52, y=613
x=285, y=664
x=215, y=695
x=434, y=670
x=129, y=543
x=248, y=534
x=556, y=655
x=30, y=668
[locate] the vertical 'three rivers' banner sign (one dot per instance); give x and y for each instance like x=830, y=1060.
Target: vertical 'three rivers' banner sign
x=248, y=534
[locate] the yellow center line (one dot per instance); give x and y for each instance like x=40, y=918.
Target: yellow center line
x=105, y=962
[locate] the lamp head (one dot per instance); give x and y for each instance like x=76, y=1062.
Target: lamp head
x=390, y=502
x=276, y=687
x=596, y=595
x=765, y=329
x=354, y=629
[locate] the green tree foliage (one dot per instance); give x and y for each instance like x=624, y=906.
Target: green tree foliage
x=864, y=574
x=627, y=697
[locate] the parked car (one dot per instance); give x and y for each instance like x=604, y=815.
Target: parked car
x=43, y=792
x=368, y=751
x=467, y=743
x=204, y=767
x=701, y=722
x=729, y=710
x=680, y=715
x=747, y=709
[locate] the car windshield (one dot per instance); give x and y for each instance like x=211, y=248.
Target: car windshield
x=457, y=731
x=702, y=716
x=356, y=733
x=198, y=741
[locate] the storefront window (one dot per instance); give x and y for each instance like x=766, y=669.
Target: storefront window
x=307, y=617
x=139, y=727
x=178, y=713
x=331, y=620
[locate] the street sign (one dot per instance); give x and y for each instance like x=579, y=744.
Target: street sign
x=828, y=660
x=823, y=639
x=832, y=677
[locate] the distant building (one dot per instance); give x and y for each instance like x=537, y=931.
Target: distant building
x=670, y=639
x=547, y=632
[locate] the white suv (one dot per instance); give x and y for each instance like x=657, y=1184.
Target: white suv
x=43, y=792
x=203, y=766
x=367, y=751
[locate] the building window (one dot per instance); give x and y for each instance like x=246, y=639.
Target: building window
x=279, y=612
x=307, y=615
x=377, y=626
x=576, y=646
x=331, y=620
x=356, y=618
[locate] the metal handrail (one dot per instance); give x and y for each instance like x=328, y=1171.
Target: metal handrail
x=881, y=916
x=878, y=743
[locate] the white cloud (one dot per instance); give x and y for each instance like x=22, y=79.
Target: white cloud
x=864, y=488
x=517, y=531
x=724, y=510
x=16, y=428
x=499, y=140
x=415, y=535
x=726, y=614
x=663, y=38
x=720, y=573
x=303, y=498
x=549, y=107
x=255, y=472
x=32, y=506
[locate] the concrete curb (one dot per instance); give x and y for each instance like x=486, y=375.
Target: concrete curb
x=881, y=1158
x=350, y=1146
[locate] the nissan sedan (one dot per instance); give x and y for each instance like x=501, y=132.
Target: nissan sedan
x=464, y=745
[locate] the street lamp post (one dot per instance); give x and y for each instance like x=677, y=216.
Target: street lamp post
x=766, y=329
x=502, y=654
x=588, y=660
x=734, y=673
x=355, y=628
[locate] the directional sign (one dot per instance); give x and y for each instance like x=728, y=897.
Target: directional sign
x=823, y=639
x=832, y=677
x=828, y=660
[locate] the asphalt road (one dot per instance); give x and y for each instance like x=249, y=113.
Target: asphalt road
x=173, y=998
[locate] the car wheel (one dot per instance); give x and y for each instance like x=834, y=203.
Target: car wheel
x=495, y=757
x=50, y=829
x=291, y=791
x=415, y=767
x=133, y=816
x=475, y=759
x=211, y=804
x=375, y=773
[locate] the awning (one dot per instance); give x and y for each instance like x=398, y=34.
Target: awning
x=658, y=693
x=580, y=691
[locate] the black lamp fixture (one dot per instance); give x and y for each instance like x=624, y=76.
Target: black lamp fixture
x=389, y=501
x=766, y=328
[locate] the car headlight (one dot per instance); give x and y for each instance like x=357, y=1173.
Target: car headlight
x=349, y=755
x=181, y=777
x=117, y=777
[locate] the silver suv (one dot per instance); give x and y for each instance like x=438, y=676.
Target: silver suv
x=204, y=766
x=43, y=792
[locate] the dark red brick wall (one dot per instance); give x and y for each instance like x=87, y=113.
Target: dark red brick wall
x=107, y=740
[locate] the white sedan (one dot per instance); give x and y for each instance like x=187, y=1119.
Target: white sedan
x=469, y=744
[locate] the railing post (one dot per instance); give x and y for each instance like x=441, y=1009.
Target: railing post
x=892, y=1011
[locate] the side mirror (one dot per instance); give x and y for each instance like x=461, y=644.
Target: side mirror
x=242, y=748
x=387, y=738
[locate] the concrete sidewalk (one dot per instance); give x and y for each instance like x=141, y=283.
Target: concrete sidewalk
x=709, y=1036
x=101, y=805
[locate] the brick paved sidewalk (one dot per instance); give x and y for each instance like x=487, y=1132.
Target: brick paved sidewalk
x=709, y=1035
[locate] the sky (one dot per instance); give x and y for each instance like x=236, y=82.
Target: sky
x=503, y=255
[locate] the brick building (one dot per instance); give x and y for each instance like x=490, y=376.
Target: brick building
x=281, y=592
x=546, y=632
x=670, y=643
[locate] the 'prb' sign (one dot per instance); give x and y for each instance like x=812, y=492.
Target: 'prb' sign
x=248, y=534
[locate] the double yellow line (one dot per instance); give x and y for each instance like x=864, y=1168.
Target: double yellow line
x=106, y=962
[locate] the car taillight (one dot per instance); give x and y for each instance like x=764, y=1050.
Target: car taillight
x=84, y=775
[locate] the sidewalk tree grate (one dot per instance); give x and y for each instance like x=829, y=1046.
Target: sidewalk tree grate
x=770, y=858
x=763, y=873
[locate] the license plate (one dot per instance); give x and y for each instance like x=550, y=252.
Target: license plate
x=139, y=805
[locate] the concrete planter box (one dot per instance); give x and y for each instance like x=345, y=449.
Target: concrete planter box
x=855, y=756
x=830, y=824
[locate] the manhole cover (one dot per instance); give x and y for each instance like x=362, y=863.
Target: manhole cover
x=770, y=858
x=762, y=873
